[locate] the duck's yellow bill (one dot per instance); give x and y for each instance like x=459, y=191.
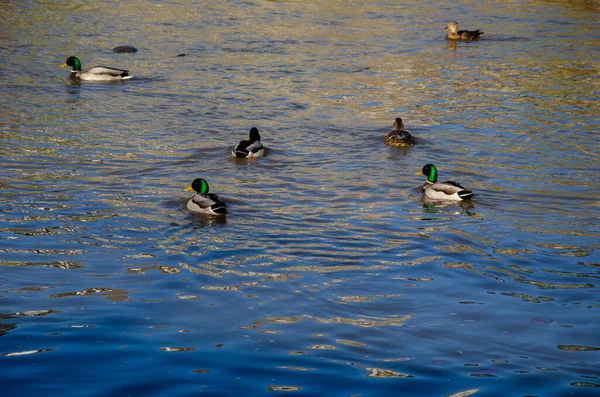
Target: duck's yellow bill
x=419, y=173
x=64, y=65
x=187, y=189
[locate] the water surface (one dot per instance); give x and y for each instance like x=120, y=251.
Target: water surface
x=329, y=276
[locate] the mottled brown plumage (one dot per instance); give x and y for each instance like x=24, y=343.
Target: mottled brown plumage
x=398, y=137
x=455, y=34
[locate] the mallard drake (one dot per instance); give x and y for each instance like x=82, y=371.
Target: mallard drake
x=455, y=34
x=443, y=191
x=251, y=147
x=398, y=137
x=204, y=202
x=97, y=73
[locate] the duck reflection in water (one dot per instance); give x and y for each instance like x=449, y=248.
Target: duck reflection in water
x=441, y=208
x=209, y=221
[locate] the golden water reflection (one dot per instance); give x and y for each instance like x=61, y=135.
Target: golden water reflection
x=361, y=322
x=464, y=393
x=55, y=264
x=113, y=294
x=385, y=373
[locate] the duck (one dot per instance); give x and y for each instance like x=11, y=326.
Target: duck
x=398, y=137
x=455, y=34
x=251, y=147
x=204, y=202
x=95, y=73
x=442, y=191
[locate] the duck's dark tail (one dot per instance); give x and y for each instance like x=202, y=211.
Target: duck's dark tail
x=465, y=194
x=242, y=153
x=219, y=207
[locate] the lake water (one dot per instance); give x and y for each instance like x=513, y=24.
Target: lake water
x=329, y=276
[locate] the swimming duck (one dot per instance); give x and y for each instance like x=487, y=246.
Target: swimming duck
x=95, y=73
x=204, y=202
x=455, y=34
x=398, y=137
x=251, y=147
x=442, y=191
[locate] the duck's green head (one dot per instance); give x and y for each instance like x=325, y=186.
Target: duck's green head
x=73, y=62
x=199, y=185
x=430, y=172
x=254, y=135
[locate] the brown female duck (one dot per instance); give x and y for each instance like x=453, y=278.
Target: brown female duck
x=455, y=34
x=398, y=137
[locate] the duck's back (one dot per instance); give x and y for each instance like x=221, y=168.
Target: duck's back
x=469, y=34
x=103, y=73
x=209, y=204
x=448, y=190
x=399, y=138
x=248, y=148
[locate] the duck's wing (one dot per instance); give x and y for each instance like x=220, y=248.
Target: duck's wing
x=406, y=137
x=241, y=149
x=451, y=189
x=255, y=147
x=248, y=148
x=108, y=71
x=399, y=137
x=389, y=138
x=469, y=34
x=217, y=206
x=202, y=201
x=209, y=204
